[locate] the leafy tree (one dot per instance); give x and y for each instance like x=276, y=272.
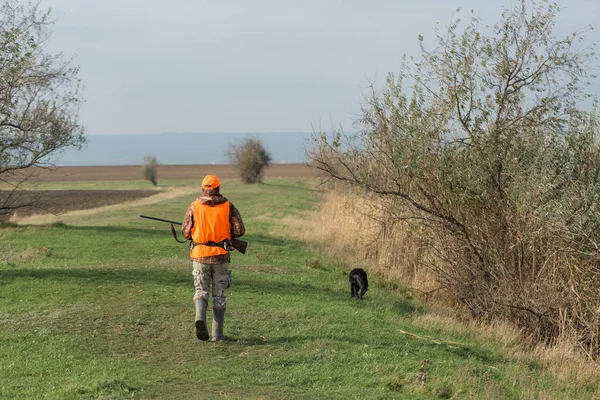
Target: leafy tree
x=250, y=158
x=39, y=99
x=481, y=143
x=150, y=169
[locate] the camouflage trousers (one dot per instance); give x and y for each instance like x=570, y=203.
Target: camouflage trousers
x=217, y=275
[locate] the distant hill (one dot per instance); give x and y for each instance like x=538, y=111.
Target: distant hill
x=180, y=148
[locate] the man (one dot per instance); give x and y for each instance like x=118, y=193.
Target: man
x=210, y=222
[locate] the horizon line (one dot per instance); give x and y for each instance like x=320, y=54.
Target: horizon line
x=200, y=133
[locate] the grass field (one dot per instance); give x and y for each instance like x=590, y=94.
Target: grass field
x=98, y=305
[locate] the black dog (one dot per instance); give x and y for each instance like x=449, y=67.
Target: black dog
x=358, y=282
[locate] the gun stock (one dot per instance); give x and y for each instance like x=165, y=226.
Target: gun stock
x=239, y=245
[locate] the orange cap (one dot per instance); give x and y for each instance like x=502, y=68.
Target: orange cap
x=210, y=182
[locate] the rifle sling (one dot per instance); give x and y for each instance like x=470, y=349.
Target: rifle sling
x=175, y=235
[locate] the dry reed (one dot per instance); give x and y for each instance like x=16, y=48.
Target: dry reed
x=356, y=231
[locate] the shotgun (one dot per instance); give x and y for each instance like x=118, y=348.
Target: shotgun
x=236, y=244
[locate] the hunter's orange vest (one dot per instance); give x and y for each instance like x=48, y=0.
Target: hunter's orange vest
x=211, y=224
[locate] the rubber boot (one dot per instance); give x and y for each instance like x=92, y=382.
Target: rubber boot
x=217, y=325
x=201, y=329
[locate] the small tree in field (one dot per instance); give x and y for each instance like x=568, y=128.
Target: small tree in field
x=39, y=100
x=482, y=144
x=150, y=169
x=250, y=159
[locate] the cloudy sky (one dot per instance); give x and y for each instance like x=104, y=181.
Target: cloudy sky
x=249, y=66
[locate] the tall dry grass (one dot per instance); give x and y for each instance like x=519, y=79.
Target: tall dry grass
x=357, y=232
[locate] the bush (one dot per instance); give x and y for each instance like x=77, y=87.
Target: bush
x=489, y=157
x=250, y=158
x=150, y=169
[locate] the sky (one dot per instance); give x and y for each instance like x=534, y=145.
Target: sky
x=152, y=66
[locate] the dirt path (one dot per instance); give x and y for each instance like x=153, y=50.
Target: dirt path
x=75, y=215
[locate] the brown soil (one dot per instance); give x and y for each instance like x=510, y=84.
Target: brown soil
x=60, y=201
x=165, y=172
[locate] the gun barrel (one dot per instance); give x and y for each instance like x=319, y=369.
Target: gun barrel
x=161, y=220
x=238, y=244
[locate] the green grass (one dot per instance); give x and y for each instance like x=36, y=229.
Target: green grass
x=100, y=306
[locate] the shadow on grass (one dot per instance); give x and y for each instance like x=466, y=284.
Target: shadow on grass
x=261, y=341
x=265, y=282
x=467, y=353
x=268, y=240
x=125, y=274
x=167, y=276
x=137, y=232
x=152, y=231
x=115, y=274
x=298, y=188
x=406, y=307
x=471, y=353
x=308, y=290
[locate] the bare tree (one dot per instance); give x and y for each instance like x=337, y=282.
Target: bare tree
x=250, y=159
x=39, y=100
x=482, y=144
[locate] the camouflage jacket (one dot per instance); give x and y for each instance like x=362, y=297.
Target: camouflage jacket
x=235, y=220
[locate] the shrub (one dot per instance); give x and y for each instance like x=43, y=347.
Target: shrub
x=250, y=158
x=150, y=169
x=490, y=159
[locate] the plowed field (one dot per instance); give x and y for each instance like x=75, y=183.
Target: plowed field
x=60, y=201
